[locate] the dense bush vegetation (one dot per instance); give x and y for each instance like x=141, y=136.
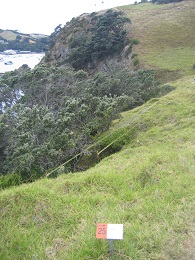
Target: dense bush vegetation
x=106, y=37
x=50, y=114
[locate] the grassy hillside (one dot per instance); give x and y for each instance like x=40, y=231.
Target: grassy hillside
x=166, y=34
x=24, y=42
x=148, y=186
x=10, y=35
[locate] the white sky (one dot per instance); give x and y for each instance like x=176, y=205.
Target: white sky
x=42, y=16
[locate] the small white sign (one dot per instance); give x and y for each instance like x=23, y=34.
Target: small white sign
x=109, y=231
x=115, y=231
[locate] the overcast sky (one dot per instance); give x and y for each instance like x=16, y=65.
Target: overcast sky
x=42, y=16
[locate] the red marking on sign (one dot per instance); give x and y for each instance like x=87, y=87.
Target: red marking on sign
x=101, y=231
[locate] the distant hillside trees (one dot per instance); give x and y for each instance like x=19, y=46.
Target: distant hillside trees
x=24, y=42
x=41, y=45
x=165, y=1
x=106, y=37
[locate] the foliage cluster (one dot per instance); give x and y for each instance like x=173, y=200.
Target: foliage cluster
x=9, y=180
x=105, y=37
x=41, y=45
x=48, y=115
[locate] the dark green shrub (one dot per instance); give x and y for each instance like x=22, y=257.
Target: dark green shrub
x=165, y=89
x=135, y=41
x=9, y=180
x=136, y=62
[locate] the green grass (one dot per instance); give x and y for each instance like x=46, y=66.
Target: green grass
x=166, y=34
x=148, y=185
x=173, y=59
x=8, y=35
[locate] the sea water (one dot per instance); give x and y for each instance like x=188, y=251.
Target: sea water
x=17, y=60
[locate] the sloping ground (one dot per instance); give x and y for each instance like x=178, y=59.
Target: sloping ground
x=8, y=35
x=148, y=186
x=166, y=34
x=23, y=42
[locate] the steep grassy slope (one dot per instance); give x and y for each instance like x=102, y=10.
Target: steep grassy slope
x=166, y=34
x=148, y=186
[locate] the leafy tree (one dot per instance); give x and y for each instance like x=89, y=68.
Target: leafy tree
x=53, y=36
x=105, y=38
x=18, y=37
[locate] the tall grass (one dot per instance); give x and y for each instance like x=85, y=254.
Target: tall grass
x=148, y=186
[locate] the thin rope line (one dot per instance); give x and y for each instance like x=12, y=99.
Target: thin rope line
x=135, y=117
x=89, y=147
